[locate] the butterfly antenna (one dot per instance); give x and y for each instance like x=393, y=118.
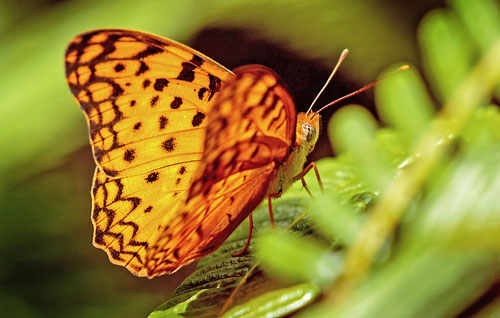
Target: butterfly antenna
x=342, y=57
x=364, y=88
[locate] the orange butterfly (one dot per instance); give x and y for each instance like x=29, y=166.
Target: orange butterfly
x=185, y=149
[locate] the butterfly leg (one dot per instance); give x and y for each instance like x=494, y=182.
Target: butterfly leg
x=250, y=220
x=304, y=172
x=304, y=185
x=270, y=206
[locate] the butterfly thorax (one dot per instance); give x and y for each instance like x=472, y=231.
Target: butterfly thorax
x=307, y=133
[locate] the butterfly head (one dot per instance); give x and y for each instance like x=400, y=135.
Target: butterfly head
x=307, y=131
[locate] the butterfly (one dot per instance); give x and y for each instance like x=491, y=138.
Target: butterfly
x=185, y=149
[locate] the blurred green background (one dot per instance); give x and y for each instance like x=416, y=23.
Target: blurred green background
x=48, y=267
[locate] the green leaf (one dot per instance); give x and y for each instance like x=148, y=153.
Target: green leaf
x=336, y=219
x=178, y=310
x=482, y=20
x=447, y=51
x=278, y=303
x=297, y=259
x=373, y=154
x=403, y=103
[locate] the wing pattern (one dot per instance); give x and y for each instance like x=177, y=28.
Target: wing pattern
x=249, y=134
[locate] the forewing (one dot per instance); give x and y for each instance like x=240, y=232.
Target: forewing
x=249, y=134
x=146, y=100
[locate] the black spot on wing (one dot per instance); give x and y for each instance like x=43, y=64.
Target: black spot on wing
x=186, y=73
x=163, y=122
x=154, y=100
x=143, y=68
x=169, y=144
x=148, y=209
x=182, y=170
x=196, y=60
x=119, y=67
x=150, y=50
x=137, y=125
x=176, y=103
x=214, y=86
x=117, y=89
x=129, y=155
x=146, y=83
x=152, y=177
x=198, y=119
x=160, y=84
x=201, y=93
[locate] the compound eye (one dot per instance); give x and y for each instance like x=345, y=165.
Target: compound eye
x=309, y=132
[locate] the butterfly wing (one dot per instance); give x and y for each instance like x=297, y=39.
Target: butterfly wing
x=146, y=99
x=249, y=134
x=138, y=90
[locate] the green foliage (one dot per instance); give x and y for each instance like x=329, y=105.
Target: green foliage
x=428, y=245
